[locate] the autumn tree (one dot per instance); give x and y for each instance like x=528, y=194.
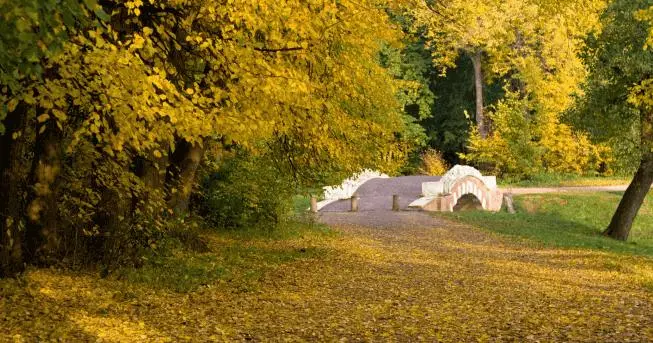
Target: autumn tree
x=531, y=48
x=110, y=139
x=618, y=97
x=475, y=29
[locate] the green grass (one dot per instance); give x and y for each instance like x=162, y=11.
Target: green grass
x=563, y=180
x=567, y=221
x=239, y=257
x=301, y=203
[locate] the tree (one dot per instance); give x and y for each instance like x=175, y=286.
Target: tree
x=475, y=29
x=118, y=125
x=618, y=96
x=531, y=49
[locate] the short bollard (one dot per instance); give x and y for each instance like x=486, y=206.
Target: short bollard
x=354, y=203
x=395, y=202
x=507, y=198
x=313, y=204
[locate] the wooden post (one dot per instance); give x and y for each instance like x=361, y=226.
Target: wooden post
x=354, y=203
x=395, y=202
x=313, y=204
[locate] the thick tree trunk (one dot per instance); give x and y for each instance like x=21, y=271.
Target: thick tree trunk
x=13, y=146
x=152, y=171
x=42, y=237
x=478, y=86
x=181, y=174
x=623, y=218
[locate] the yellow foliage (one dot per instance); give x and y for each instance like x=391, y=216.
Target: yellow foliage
x=433, y=163
x=534, y=46
x=572, y=152
x=522, y=146
x=126, y=94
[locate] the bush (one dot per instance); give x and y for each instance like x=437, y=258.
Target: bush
x=523, y=144
x=433, y=163
x=246, y=192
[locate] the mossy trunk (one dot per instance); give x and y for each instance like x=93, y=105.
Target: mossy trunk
x=152, y=171
x=623, y=218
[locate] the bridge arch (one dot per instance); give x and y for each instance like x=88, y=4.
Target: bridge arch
x=470, y=185
x=445, y=194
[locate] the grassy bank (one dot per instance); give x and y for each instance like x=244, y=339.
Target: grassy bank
x=569, y=221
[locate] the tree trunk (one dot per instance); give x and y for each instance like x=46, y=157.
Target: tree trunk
x=13, y=173
x=623, y=218
x=181, y=174
x=152, y=171
x=478, y=86
x=41, y=236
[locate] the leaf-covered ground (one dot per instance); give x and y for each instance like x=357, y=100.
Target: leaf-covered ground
x=407, y=283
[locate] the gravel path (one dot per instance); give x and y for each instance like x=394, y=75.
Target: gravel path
x=376, y=194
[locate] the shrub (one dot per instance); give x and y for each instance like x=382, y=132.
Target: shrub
x=246, y=192
x=433, y=163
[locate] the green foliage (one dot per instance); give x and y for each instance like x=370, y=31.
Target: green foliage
x=33, y=30
x=450, y=126
x=247, y=192
x=568, y=221
x=412, y=65
x=617, y=61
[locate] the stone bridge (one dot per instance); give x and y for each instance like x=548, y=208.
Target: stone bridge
x=460, y=183
x=461, y=187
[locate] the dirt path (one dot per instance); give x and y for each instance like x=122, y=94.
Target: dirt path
x=541, y=190
x=401, y=277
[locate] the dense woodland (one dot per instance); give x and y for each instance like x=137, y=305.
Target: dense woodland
x=123, y=122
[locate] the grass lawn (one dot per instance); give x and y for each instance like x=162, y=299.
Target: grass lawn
x=568, y=221
x=238, y=257
x=563, y=180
